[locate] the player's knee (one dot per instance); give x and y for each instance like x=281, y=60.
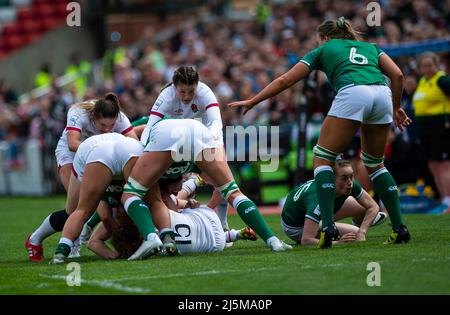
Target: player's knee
x=133, y=187
x=228, y=189
x=324, y=154
x=372, y=163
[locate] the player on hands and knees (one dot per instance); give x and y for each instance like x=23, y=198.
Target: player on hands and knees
x=83, y=120
x=98, y=161
x=301, y=215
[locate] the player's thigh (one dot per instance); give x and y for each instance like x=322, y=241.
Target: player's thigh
x=73, y=193
x=373, y=139
x=217, y=171
x=64, y=172
x=96, y=179
x=337, y=133
x=150, y=166
x=349, y=209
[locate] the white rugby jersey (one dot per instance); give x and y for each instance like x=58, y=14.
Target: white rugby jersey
x=194, y=232
x=111, y=149
x=78, y=119
x=204, y=107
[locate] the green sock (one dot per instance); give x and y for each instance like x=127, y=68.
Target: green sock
x=250, y=214
x=325, y=186
x=386, y=189
x=63, y=249
x=93, y=220
x=140, y=214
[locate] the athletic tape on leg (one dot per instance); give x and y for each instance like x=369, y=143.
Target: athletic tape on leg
x=371, y=161
x=325, y=154
x=227, y=189
x=133, y=187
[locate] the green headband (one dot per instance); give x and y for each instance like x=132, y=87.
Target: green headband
x=340, y=22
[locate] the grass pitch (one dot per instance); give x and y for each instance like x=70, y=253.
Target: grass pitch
x=419, y=267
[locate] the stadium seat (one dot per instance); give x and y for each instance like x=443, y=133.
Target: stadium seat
x=50, y=23
x=15, y=41
x=26, y=14
x=44, y=10
x=31, y=26
x=10, y=29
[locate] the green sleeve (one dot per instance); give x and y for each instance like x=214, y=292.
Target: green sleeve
x=312, y=209
x=357, y=190
x=140, y=121
x=312, y=59
x=379, y=50
x=444, y=83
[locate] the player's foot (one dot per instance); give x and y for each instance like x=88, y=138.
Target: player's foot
x=57, y=259
x=35, y=252
x=85, y=234
x=149, y=247
x=247, y=234
x=75, y=250
x=277, y=245
x=169, y=245
x=225, y=230
x=328, y=234
x=401, y=235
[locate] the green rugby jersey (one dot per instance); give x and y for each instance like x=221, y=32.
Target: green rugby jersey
x=113, y=193
x=347, y=62
x=302, y=203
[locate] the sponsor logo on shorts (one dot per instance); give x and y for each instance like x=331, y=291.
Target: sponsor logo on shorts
x=392, y=188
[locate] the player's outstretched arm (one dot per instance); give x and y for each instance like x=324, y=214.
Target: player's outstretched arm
x=283, y=82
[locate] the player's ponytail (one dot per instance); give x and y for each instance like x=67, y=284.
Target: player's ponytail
x=107, y=107
x=339, y=29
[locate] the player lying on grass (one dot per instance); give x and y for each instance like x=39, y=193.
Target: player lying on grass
x=300, y=218
x=185, y=199
x=198, y=229
x=98, y=161
x=184, y=140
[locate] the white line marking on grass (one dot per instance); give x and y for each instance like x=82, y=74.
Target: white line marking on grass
x=202, y=273
x=102, y=284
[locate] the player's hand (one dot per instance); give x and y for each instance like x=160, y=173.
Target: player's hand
x=247, y=104
x=401, y=120
x=360, y=235
x=348, y=237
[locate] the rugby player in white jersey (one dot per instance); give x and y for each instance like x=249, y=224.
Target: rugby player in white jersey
x=84, y=120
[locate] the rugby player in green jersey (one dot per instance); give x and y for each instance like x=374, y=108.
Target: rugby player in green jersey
x=301, y=214
x=363, y=100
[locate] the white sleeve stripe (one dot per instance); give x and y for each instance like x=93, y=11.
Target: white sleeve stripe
x=305, y=62
x=360, y=194
x=312, y=218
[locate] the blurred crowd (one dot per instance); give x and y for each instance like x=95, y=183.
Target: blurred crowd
x=236, y=59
